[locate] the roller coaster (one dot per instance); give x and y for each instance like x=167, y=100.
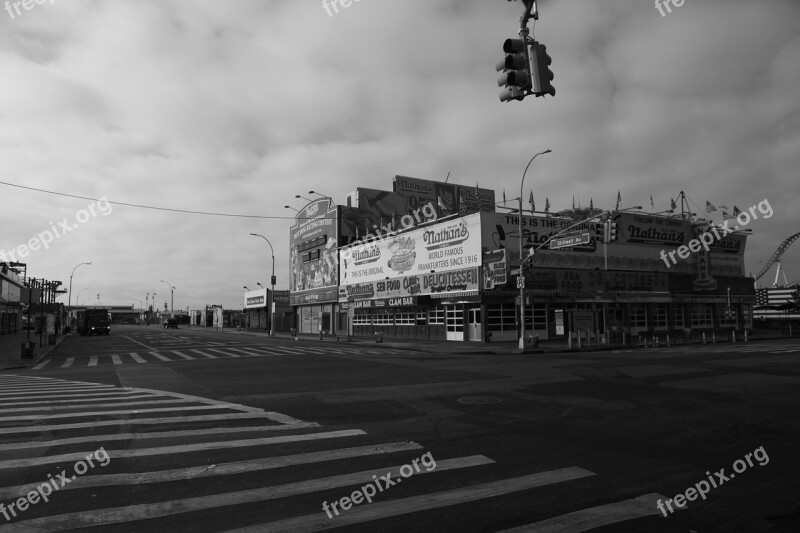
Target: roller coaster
x=776, y=258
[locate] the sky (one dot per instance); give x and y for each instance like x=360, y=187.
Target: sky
x=235, y=107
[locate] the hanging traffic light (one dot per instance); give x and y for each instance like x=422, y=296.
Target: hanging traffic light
x=516, y=76
x=542, y=75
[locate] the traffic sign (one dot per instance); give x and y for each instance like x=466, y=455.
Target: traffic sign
x=520, y=282
x=570, y=240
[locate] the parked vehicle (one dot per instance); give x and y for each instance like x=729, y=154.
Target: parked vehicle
x=91, y=321
x=170, y=323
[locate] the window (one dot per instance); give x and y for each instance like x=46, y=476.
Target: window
x=660, y=316
x=362, y=318
x=436, y=315
x=422, y=318
x=383, y=318
x=677, y=317
x=638, y=315
x=702, y=315
x=539, y=316
x=501, y=317
x=404, y=319
x=747, y=316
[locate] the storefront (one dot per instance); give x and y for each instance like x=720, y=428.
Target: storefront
x=256, y=309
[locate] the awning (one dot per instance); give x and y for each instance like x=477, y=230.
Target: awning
x=449, y=295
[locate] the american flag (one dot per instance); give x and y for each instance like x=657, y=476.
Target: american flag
x=462, y=206
x=530, y=201
x=672, y=205
x=776, y=298
x=735, y=211
x=710, y=207
x=619, y=199
x=547, y=205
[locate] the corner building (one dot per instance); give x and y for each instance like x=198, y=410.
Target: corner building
x=454, y=277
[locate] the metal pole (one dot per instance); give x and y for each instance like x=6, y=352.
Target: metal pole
x=270, y=311
x=521, y=262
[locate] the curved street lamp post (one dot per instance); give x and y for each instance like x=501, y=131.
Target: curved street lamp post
x=271, y=310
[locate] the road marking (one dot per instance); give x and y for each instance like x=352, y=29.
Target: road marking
x=150, y=421
x=59, y=401
x=115, y=359
x=68, y=362
x=424, y=502
x=183, y=355
x=49, y=443
x=92, y=360
x=67, y=387
x=229, y=354
x=222, y=469
x=159, y=356
x=182, y=448
x=136, y=357
x=594, y=517
x=137, y=342
x=121, y=412
x=41, y=365
x=88, y=395
x=50, y=408
x=130, y=513
x=204, y=354
x=248, y=352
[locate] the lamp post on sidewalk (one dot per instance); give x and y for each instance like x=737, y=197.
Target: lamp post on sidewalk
x=271, y=310
x=69, y=298
x=171, y=297
x=521, y=279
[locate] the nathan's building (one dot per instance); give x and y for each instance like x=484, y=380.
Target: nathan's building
x=10, y=304
x=407, y=264
x=453, y=280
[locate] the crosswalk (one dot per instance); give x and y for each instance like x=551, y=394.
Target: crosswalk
x=211, y=351
x=176, y=461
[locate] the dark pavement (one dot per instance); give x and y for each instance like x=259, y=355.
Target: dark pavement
x=257, y=433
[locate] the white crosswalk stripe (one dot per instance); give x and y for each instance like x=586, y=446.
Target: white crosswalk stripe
x=32, y=442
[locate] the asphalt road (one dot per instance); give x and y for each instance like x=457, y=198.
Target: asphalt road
x=192, y=430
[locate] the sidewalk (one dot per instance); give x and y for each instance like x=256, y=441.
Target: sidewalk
x=11, y=350
x=480, y=348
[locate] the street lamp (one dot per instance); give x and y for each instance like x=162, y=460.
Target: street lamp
x=271, y=310
x=69, y=298
x=303, y=197
x=290, y=207
x=171, y=297
x=521, y=283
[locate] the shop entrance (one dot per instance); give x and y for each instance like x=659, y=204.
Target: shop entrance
x=475, y=326
x=454, y=316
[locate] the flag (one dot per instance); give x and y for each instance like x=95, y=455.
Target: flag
x=672, y=205
x=725, y=207
x=573, y=203
x=439, y=201
x=710, y=207
x=735, y=211
x=619, y=199
x=547, y=205
x=652, y=205
x=530, y=201
x=462, y=206
x=504, y=196
x=591, y=204
x=477, y=198
x=726, y=215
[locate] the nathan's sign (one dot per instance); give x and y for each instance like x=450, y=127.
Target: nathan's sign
x=467, y=279
x=440, y=247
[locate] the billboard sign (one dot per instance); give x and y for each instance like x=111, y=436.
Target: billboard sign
x=441, y=247
x=313, y=241
x=495, y=268
x=445, y=196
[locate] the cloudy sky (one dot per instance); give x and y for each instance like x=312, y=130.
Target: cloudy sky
x=237, y=106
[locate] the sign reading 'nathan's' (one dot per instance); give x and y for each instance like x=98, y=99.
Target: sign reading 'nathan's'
x=447, y=246
x=466, y=279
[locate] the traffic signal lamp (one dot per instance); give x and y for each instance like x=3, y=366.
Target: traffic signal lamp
x=542, y=75
x=516, y=74
x=599, y=231
x=612, y=231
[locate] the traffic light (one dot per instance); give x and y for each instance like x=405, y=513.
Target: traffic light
x=612, y=231
x=516, y=76
x=599, y=231
x=542, y=75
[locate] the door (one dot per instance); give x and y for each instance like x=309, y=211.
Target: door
x=475, y=326
x=454, y=317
